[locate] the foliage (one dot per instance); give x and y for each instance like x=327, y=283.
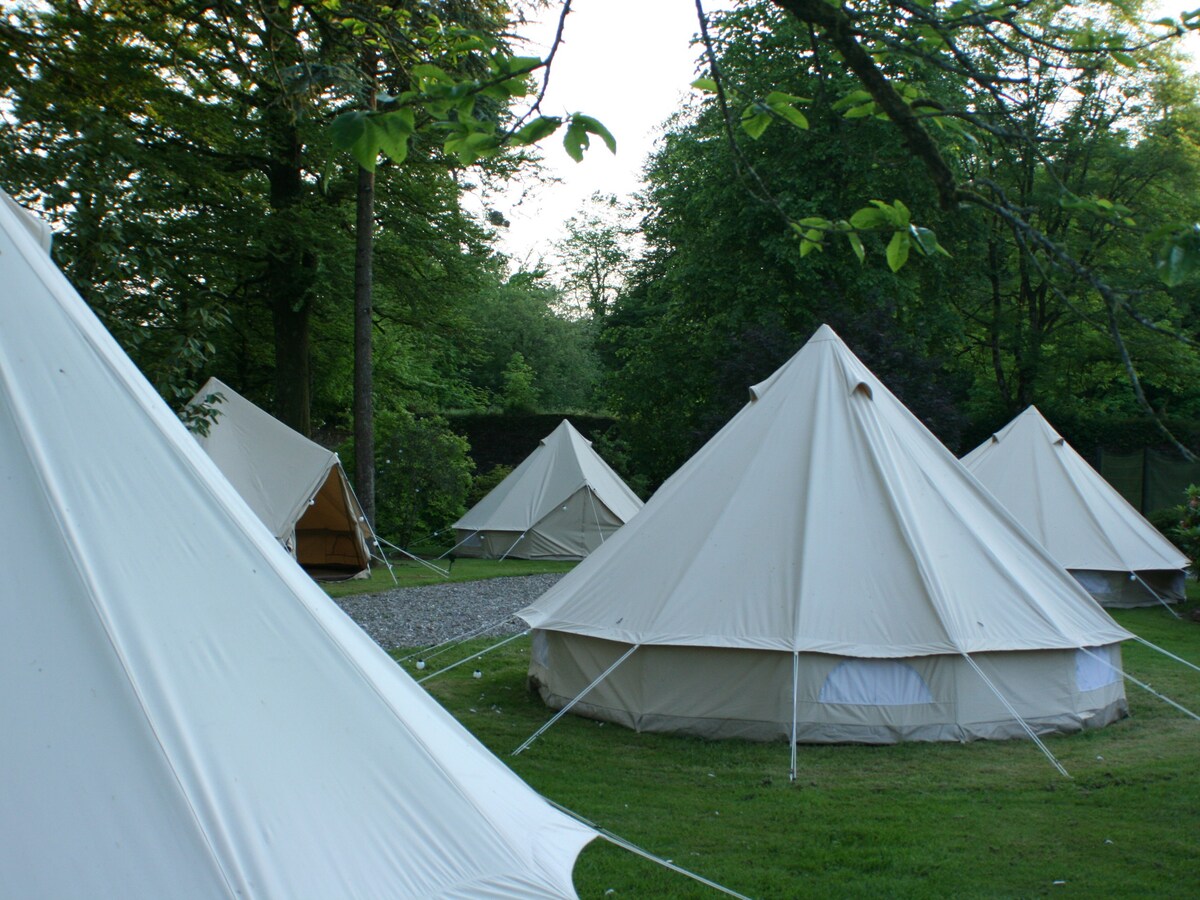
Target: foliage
x=423, y=475
x=989, y=818
x=595, y=257
x=721, y=297
x=519, y=393
x=518, y=315
x=485, y=482
x=1186, y=533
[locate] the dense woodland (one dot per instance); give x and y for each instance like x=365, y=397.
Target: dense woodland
x=205, y=207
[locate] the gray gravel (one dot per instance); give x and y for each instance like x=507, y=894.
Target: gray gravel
x=420, y=616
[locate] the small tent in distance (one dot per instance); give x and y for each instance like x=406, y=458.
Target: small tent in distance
x=1093, y=532
x=184, y=712
x=296, y=486
x=562, y=502
x=824, y=569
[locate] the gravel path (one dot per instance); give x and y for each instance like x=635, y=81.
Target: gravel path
x=420, y=616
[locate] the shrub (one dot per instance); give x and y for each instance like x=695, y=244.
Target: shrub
x=422, y=475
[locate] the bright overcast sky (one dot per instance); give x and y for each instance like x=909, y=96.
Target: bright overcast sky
x=628, y=63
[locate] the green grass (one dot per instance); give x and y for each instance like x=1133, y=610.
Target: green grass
x=987, y=819
x=413, y=574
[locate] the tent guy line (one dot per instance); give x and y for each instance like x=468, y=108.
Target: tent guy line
x=1144, y=686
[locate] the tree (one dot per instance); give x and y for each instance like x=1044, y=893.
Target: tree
x=894, y=51
x=595, y=257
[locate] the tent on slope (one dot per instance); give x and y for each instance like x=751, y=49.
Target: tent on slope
x=185, y=711
x=824, y=569
x=562, y=502
x=1079, y=517
x=296, y=486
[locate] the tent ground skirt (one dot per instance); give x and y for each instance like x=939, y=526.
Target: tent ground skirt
x=1120, y=590
x=748, y=694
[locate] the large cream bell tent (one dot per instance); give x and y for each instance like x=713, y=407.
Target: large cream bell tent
x=562, y=502
x=185, y=713
x=296, y=486
x=1079, y=517
x=824, y=569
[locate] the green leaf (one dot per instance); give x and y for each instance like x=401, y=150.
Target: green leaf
x=897, y=250
x=392, y=131
x=781, y=105
x=861, y=112
x=536, y=129
x=755, y=119
x=705, y=84
x=854, y=98
x=431, y=72
x=1124, y=59
x=926, y=241
x=594, y=126
x=347, y=128
x=1177, y=254
x=575, y=141
x=856, y=245
x=868, y=218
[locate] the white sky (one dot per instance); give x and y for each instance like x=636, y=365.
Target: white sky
x=628, y=63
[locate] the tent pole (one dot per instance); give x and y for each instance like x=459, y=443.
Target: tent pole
x=363, y=519
x=513, y=547
x=1029, y=731
x=795, y=703
x=562, y=712
x=595, y=515
x=1154, y=594
x=1143, y=685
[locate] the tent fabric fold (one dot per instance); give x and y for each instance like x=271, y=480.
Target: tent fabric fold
x=823, y=519
x=562, y=502
x=1081, y=520
x=183, y=708
x=297, y=487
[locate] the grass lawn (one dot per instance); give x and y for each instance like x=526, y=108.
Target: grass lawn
x=412, y=574
x=987, y=819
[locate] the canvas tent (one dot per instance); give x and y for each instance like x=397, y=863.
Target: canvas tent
x=562, y=502
x=1078, y=516
x=295, y=485
x=823, y=568
x=184, y=712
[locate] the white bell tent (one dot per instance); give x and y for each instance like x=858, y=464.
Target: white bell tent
x=297, y=487
x=562, y=502
x=1079, y=517
x=185, y=713
x=824, y=569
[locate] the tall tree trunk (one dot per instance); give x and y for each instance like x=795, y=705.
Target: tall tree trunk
x=364, y=406
x=290, y=269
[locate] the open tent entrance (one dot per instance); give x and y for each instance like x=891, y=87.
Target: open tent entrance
x=329, y=539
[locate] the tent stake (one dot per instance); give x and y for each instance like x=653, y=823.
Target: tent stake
x=562, y=712
x=473, y=656
x=1029, y=731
